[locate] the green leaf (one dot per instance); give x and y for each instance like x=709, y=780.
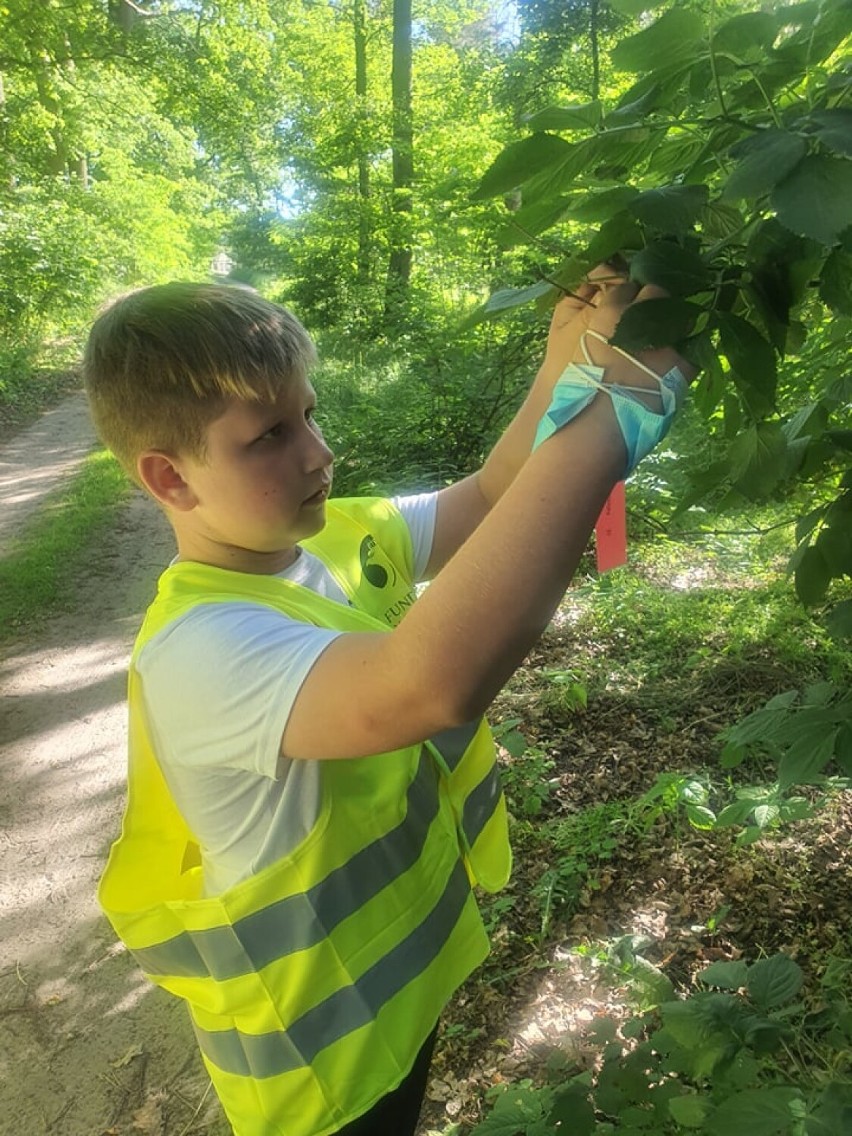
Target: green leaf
x=752, y=362
x=655, y=323
x=765, y=159
x=765, y=815
x=833, y=127
x=507, y=298
x=803, y=762
x=634, y=110
x=782, y=701
x=839, y=620
x=843, y=748
x=757, y=459
x=813, y=576
x=720, y=219
x=617, y=235
x=753, y=1112
x=573, y=1111
x=835, y=543
x=678, y=270
x=732, y=756
x=527, y=222
x=737, y=812
x=819, y=694
x=815, y=200
x=670, y=37
x=700, y=817
x=833, y=1111
x=582, y=116
x=749, y=30
x=561, y=175
x=842, y=439
x=835, y=281
x=773, y=981
x=519, y=161
x=671, y=208
x=748, y=836
x=517, y=1110
x=727, y=975
x=689, y=1111
x=604, y=204
x=710, y=388
x=765, y=1036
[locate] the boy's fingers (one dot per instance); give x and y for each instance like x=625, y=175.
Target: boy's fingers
x=614, y=303
x=605, y=276
x=652, y=292
x=610, y=305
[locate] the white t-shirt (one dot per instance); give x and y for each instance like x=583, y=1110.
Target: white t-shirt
x=246, y=662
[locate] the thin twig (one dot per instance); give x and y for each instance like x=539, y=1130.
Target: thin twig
x=566, y=291
x=192, y=1119
x=713, y=68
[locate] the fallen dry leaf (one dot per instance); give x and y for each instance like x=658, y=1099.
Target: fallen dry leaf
x=134, y=1051
x=149, y=1118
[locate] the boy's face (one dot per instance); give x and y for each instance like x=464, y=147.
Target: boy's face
x=262, y=486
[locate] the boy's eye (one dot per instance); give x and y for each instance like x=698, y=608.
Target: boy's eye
x=273, y=432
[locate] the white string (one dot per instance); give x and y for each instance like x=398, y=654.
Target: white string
x=601, y=386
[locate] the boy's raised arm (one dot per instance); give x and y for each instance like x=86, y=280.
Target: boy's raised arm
x=454, y=650
x=461, y=507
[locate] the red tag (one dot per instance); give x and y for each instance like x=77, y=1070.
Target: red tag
x=611, y=531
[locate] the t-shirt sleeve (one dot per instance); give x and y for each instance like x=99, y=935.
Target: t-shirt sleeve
x=219, y=684
x=419, y=511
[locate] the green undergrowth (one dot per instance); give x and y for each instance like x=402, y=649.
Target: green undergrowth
x=35, y=575
x=680, y=614
x=750, y=1052
x=685, y=721
x=33, y=380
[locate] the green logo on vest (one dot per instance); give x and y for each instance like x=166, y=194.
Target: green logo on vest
x=374, y=574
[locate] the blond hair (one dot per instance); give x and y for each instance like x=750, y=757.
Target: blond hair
x=162, y=363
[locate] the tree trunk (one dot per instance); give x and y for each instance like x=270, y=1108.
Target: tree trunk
x=399, y=264
x=363, y=260
x=596, y=57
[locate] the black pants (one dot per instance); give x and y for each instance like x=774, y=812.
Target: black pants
x=397, y=1113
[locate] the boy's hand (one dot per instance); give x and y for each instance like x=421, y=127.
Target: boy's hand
x=603, y=319
x=572, y=311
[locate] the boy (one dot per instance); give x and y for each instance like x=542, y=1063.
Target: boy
x=312, y=790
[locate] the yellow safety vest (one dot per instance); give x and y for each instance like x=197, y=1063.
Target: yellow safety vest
x=313, y=984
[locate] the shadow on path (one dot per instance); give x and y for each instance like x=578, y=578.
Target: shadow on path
x=86, y=1045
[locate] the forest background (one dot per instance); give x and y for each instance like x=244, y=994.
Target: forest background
x=420, y=185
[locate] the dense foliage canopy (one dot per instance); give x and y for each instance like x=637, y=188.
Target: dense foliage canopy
x=363, y=162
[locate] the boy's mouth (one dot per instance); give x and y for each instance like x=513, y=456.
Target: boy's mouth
x=320, y=495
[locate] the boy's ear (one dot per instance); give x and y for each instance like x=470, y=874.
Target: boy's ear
x=160, y=475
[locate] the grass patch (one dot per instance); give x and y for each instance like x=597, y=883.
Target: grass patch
x=36, y=574
x=685, y=614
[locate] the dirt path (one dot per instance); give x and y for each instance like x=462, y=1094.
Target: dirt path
x=87, y=1048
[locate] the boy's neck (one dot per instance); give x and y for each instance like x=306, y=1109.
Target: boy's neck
x=238, y=559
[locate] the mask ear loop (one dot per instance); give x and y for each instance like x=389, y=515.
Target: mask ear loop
x=641, y=427
x=632, y=359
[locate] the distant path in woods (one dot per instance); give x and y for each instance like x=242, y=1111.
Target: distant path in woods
x=40, y=460
x=87, y=1047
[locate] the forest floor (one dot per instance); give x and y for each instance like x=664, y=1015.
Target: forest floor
x=88, y=1048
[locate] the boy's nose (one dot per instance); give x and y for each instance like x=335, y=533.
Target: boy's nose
x=318, y=455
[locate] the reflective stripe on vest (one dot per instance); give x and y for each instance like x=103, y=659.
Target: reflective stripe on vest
x=301, y=920
x=283, y=1051
x=477, y=798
